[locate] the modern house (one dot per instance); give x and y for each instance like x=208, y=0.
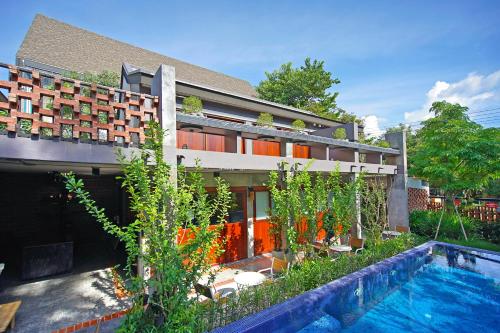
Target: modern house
x=57, y=124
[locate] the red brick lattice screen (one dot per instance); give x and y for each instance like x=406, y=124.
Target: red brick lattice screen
x=417, y=199
x=482, y=213
x=57, y=107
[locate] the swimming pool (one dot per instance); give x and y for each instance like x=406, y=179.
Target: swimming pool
x=435, y=287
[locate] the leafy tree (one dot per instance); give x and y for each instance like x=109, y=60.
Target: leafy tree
x=177, y=240
x=192, y=105
x=306, y=87
x=454, y=153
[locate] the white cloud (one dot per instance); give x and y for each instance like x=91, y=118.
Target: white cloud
x=372, y=126
x=473, y=91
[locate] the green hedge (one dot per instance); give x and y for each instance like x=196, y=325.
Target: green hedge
x=424, y=223
x=301, y=278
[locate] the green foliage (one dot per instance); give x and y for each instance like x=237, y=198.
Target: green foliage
x=85, y=91
x=4, y=112
x=477, y=243
x=374, y=194
x=45, y=131
x=102, y=117
x=66, y=112
x=341, y=213
x=66, y=131
x=340, y=134
x=301, y=278
x=383, y=144
x=162, y=208
x=298, y=125
x=104, y=78
x=85, y=136
x=192, y=105
x=67, y=84
x=85, y=123
x=425, y=223
x=101, y=102
x=67, y=96
x=85, y=109
x=265, y=120
x=455, y=154
x=25, y=126
x=3, y=126
x=306, y=87
x=488, y=231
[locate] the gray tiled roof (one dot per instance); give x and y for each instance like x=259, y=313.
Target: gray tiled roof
x=64, y=46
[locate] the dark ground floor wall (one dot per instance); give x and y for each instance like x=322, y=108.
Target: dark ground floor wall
x=36, y=210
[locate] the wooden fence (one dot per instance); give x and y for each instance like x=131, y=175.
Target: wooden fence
x=482, y=213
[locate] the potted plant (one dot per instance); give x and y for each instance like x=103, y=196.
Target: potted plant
x=192, y=105
x=265, y=120
x=299, y=126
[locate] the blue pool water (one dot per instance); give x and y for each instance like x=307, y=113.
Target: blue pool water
x=433, y=288
x=448, y=293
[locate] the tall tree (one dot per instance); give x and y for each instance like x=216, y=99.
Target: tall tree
x=455, y=153
x=306, y=87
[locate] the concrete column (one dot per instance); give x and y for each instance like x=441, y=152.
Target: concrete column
x=248, y=147
x=398, y=196
x=250, y=233
x=357, y=228
x=163, y=86
x=287, y=149
x=239, y=143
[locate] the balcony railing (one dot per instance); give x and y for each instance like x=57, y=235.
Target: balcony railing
x=54, y=107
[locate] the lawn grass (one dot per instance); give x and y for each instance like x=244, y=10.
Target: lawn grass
x=478, y=243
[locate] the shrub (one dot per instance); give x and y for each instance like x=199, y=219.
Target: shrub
x=298, y=125
x=383, y=144
x=425, y=223
x=3, y=126
x=25, y=126
x=192, y=105
x=340, y=134
x=488, y=231
x=4, y=112
x=265, y=120
x=301, y=278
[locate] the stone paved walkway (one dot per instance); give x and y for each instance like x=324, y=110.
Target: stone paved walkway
x=62, y=301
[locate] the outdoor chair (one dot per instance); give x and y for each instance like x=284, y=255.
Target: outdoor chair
x=211, y=293
x=401, y=228
x=357, y=243
x=277, y=266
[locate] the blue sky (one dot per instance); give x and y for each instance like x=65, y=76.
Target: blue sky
x=393, y=57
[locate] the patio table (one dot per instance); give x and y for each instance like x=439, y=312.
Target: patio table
x=390, y=234
x=341, y=248
x=249, y=279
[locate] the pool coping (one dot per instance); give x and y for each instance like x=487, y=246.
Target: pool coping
x=309, y=297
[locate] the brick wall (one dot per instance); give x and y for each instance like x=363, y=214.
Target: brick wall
x=417, y=199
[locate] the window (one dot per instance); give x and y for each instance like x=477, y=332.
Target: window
x=85, y=123
x=68, y=84
x=25, y=88
x=133, y=107
x=120, y=114
x=66, y=96
x=134, y=138
x=85, y=136
x=134, y=97
x=47, y=82
x=25, y=105
x=102, y=102
x=102, y=91
x=148, y=103
x=119, y=139
x=134, y=122
x=261, y=205
x=48, y=119
x=120, y=128
x=25, y=75
x=148, y=116
x=47, y=102
x=118, y=97
x=66, y=112
x=236, y=210
x=103, y=135
x=66, y=131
